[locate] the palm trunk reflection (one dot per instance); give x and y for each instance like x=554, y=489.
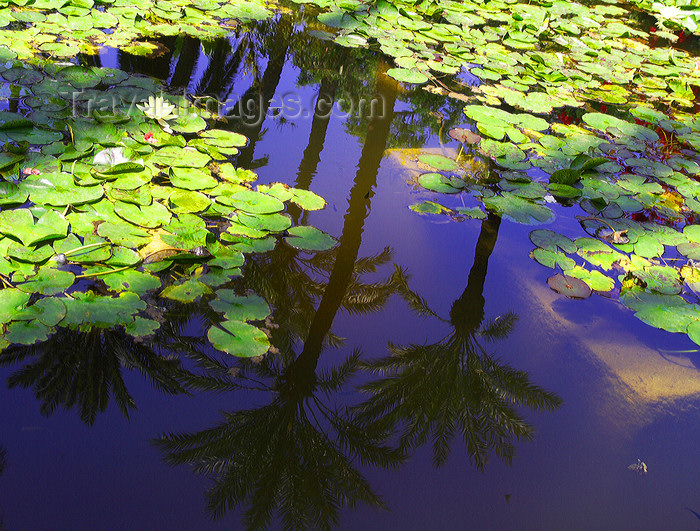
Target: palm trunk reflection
x=295, y=454
x=454, y=387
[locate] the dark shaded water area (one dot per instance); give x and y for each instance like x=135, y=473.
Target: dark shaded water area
x=627, y=391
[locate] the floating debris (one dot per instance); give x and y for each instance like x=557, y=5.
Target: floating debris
x=640, y=467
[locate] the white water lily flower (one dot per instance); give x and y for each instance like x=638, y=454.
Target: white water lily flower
x=667, y=12
x=160, y=110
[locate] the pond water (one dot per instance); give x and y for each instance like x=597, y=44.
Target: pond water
x=455, y=310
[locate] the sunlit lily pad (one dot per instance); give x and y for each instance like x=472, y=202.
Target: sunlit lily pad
x=221, y=138
x=552, y=259
x=150, y=216
x=131, y=280
x=59, y=189
x=596, y=280
x=439, y=162
x=20, y=224
x=253, y=202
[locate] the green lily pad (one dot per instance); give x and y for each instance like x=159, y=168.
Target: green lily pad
x=87, y=309
x=221, y=138
x=436, y=182
x=239, y=339
x=49, y=311
x=405, y=75
x=124, y=234
x=192, y=179
x=519, y=209
x=596, y=280
x=306, y=238
x=11, y=194
x=439, y=162
x=240, y=308
x=59, y=189
x=306, y=200
x=49, y=280
x=131, y=280
x=27, y=332
x=694, y=331
x=187, y=291
x=552, y=259
x=670, y=318
x=141, y=327
x=690, y=250
x=188, y=201
x=20, y=224
x=173, y=156
x=429, y=207
x=81, y=77
x=150, y=216
x=12, y=303
x=253, y=202
x=267, y=222
x=550, y=240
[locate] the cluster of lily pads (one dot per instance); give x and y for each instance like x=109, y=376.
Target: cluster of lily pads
x=105, y=215
x=536, y=56
x=631, y=258
x=635, y=181
x=65, y=28
x=569, y=104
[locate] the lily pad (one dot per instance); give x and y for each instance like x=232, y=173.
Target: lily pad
x=59, y=189
x=550, y=240
x=405, y=75
x=20, y=224
x=436, y=182
x=439, y=162
x=253, y=202
x=573, y=288
x=240, y=308
x=187, y=291
x=239, y=339
x=307, y=238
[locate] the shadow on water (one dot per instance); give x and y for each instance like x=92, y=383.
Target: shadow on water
x=293, y=458
x=85, y=369
x=297, y=457
x=295, y=454
x=434, y=392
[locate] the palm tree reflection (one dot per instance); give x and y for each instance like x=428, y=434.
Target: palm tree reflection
x=454, y=387
x=297, y=453
x=85, y=369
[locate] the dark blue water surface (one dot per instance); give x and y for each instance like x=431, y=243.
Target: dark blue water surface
x=624, y=396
